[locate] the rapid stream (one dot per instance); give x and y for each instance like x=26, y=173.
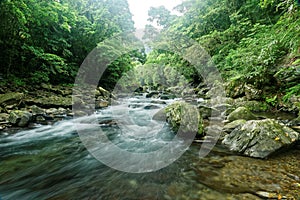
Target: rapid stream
x=51, y=162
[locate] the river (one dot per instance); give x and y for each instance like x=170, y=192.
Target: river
x=51, y=162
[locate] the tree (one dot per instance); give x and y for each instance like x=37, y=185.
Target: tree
x=46, y=41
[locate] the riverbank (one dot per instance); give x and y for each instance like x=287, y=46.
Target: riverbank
x=28, y=106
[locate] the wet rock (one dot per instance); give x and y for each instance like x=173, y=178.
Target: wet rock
x=233, y=125
x=40, y=119
x=61, y=111
x=167, y=96
x=222, y=107
x=158, y=102
x=260, y=138
x=79, y=113
x=135, y=105
x=152, y=94
x=202, y=90
x=35, y=110
x=50, y=111
x=160, y=115
x=184, y=117
x=56, y=111
x=101, y=104
x=138, y=90
x=104, y=93
x=241, y=113
x=4, y=122
x=151, y=107
x=20, y=118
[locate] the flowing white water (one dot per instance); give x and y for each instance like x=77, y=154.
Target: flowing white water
x=50, y=162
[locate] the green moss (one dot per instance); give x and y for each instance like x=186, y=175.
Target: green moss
x=184, y=117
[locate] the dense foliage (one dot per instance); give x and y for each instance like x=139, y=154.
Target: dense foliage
x=46, y=41
x=253, y=43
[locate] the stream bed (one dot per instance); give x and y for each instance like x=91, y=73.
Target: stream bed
x=51, y=162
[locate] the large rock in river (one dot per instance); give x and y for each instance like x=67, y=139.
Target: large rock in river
x=184, y=117
x=260, y=138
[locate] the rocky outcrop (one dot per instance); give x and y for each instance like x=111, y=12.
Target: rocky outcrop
x=48, y=103
x=260, y=138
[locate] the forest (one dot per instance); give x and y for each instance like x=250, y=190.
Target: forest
x=250, y=42
x=205, y=104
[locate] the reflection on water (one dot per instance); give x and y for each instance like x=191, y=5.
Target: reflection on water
x=50, y=162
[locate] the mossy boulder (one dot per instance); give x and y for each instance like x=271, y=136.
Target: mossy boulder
x=184, y=117
x=20, y=118
x=260, y=138
x=241, y=113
